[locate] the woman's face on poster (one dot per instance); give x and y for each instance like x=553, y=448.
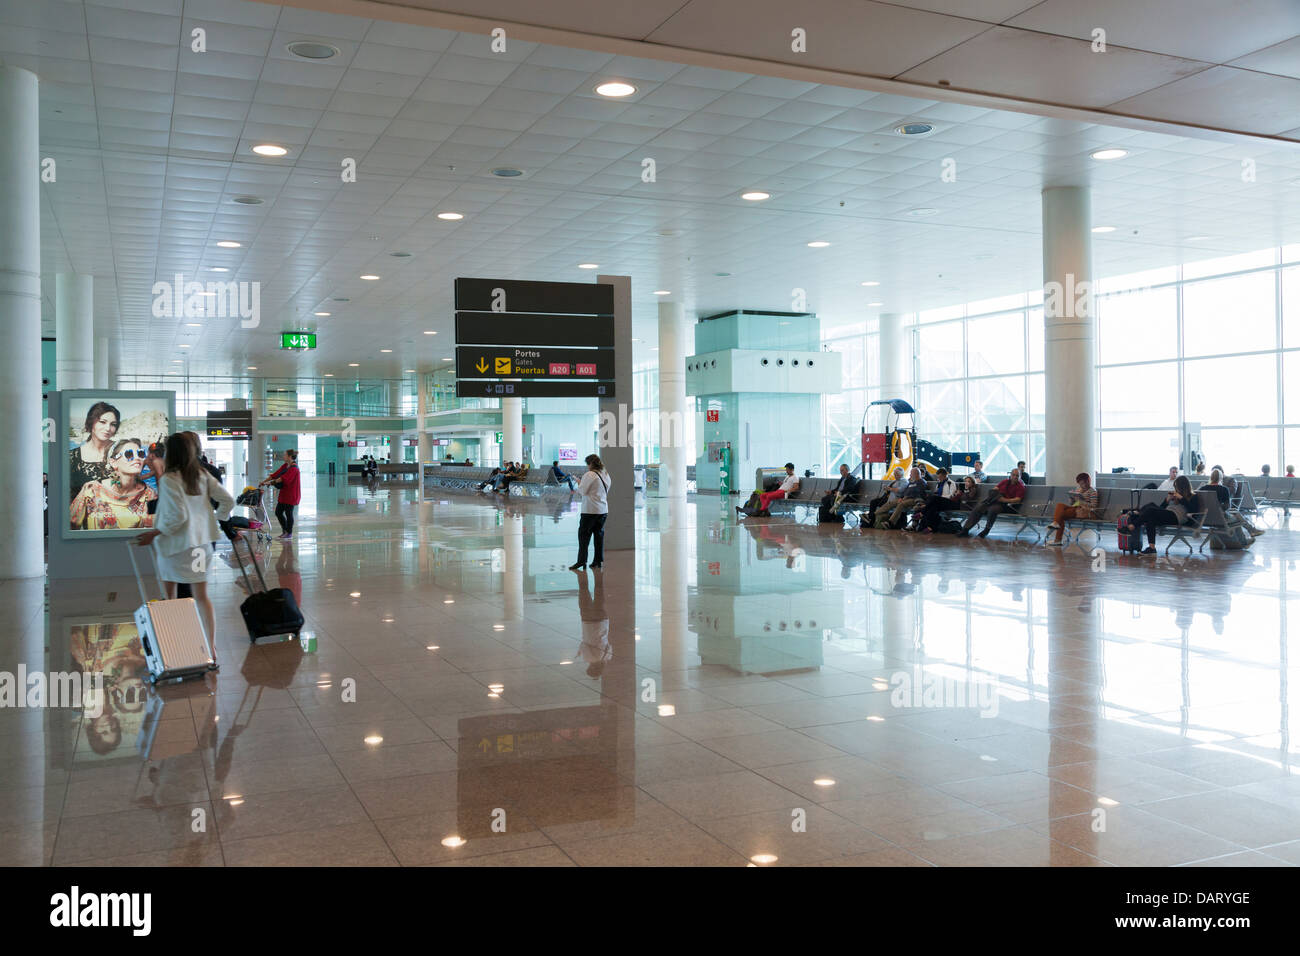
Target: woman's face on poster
x=105, y=427
x=128, y=460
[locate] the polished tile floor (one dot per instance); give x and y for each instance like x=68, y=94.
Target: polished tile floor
x=742, y=692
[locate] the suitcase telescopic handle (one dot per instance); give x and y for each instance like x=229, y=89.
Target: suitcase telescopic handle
x=234, y=547
x=131, y=548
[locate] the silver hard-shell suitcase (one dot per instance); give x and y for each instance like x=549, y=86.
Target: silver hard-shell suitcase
x=171, y=632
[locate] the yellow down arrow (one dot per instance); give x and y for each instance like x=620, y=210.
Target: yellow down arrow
x=482, y=365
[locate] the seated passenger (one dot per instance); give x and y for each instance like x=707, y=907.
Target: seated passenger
x=1176, y=509
x=491, y=480
x=1168, y=483
x=519, y=474
x=1006, y=497
x=1265, y=471
x=561, y=475
x=844, y=492
x=893, y=515
x=946, y=497
x=978, y=473
x=1083, y=504
x=789, y=486
x=888, y=494
x=1290, y=471
x=1234, y=518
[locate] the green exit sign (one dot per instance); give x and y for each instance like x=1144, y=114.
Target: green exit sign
x=297, y=340
x=500, y=436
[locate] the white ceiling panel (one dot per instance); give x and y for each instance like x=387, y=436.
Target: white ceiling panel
x=1257, y=102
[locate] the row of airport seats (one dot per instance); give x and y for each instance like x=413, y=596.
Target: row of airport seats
x=1035, y=511
x=449, y=477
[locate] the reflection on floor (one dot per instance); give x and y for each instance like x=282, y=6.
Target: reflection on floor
x=759, y=692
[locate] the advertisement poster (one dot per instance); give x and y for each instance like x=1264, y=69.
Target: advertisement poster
x=105, y=433
x=568, y=452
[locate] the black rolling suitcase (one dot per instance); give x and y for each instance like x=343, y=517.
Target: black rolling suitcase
x=266, y=612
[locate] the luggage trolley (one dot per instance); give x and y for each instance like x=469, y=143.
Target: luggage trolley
x=259, y=520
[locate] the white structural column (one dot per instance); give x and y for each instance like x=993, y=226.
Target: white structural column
x=512, y=428
x=1068, y=335
x=674, y=590
x=895, y=359
x=101, y=362
x=512, y=542
x=672, y=400
x=616, y=449
x=425, y=448
x=74, y=331
x=23, y=554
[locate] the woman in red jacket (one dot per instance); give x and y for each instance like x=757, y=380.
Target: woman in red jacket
x=286, y=479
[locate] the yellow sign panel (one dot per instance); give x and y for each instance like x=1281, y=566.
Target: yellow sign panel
x=503, y=366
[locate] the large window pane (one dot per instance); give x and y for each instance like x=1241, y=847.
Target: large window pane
x=1240, y=450
x=1139, y=396
x=1148, y=452
x=1037, y=402
x=998, y=404
x=940, y=348
x=1246, y=260
x=1036, y=354
x=1231, y=391
x=1291, y=308
x=1292, y=456
x=1138, y=326
x=1238, y=314
x=941, y=411
x=1291, y=387
x=1000, y=452
x=996, y=344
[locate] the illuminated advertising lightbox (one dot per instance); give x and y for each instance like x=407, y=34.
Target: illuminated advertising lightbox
x=568, y=451
x=110, y=491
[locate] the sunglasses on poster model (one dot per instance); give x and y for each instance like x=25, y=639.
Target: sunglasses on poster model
x=131, y=454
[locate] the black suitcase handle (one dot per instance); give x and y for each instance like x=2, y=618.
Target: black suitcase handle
x=234, y=547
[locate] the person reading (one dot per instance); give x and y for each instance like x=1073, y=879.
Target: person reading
x=1083, y=504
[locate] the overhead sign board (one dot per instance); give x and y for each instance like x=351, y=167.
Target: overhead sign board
x=541, y=329
x=512, y=296
x=533, y=363
x=230, y=424
x=553, y=388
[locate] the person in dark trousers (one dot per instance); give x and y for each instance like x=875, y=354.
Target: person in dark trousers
x=594, y=488
x=561, y=475
x=287, y=479
x=845, y=491
x=1007, y=497
x=943, y=498
x=1177, y=507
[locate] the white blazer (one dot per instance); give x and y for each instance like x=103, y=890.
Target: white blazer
x=186, y=521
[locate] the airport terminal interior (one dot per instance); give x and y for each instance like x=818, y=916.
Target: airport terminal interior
x=402, y=270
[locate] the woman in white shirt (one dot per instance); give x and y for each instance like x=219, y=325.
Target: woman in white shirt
x=185, y=525
x=594, y=488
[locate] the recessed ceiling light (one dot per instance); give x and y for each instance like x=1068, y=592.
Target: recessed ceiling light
x=321, y=313
x=453, y=841
x=370, y=278
x=429, y=332
x=872, y=305
x=354, y=365
x=818, y=244
x=183, y=346
x=662, y=292
x=247, y=200
x=913, y=129
x=218, y=269
x=870, y=283
x=756, y=196
x=616, y=88
x=178, y=361
x=451, y=215
x=1105, y=154
x=194, y=325
x=373, y=739
x=1197, y=238
x=385, y=350
x=1103, y=228
x=329, y=374
x=229, y=244
x=407, y=371
x=824, y=782
x=312, y=50
x=588, y=265
x=447, y=359
x=270, y=149
x=764, y=858
x=252, y=368
x=507, y=172
x=920, y=212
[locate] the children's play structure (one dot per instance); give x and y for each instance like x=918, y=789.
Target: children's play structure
x=898, y=446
